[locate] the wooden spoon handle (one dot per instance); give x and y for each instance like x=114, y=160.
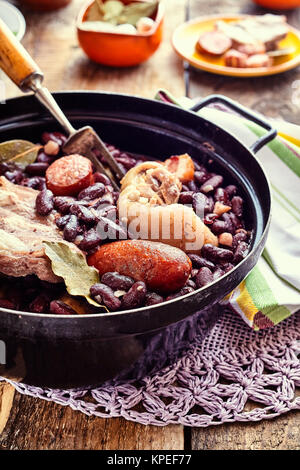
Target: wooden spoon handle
x=15, y=60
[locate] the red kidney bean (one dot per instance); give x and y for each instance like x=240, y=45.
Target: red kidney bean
x=92, y=192
x=44, y=202
x=194, y=272
x=44, y=158
x=227, y=267
x=101, y=178
x=185, y=290
x=201, y=176
x=204, y=277
x=115, y=152
x=237, y=206
x=211, y=184
x=58, y=307
x=240, y=252
x=210, y=204
x=221, y=196
x=36, y=182
x=108, y=198
x=63, y=203
x=40, y=304
x=36, y=169
x=153, y=299
x=229, y=225
x=186, y=197
x=6, y=166
x=104, y=210
x=218, y=227
x=110, y=229
x=216, y=254
x=108, y=297
x=117, y=281
x=14, y=176
x=199, y=204
x=191, y=283
x=210, y=218
x=57, y=137
x=83, y=213
x=200, y=262
x=231, y=190
x=236, y=222
x=135, y=296
x=193, y=186
x=126, y=161
x=218, y=273
x=62, y=221
x=239, y=237
x=109, y=189
x=90, y=239
x=7, y=304
x=71, y=229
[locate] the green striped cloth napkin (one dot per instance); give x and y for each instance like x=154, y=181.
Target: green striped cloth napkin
x=271, y=292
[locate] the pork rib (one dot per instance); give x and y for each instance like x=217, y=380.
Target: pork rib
x=22, y=232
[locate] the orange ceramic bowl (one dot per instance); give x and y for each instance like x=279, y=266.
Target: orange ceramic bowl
x=279, y=4
x=120, y=50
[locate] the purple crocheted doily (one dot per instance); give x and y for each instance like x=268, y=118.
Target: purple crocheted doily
x=235, y=374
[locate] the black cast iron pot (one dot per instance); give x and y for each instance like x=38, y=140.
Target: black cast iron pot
x=84, y=351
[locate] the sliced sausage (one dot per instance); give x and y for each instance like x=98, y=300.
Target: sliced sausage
x=214, y=43
x=69, y=175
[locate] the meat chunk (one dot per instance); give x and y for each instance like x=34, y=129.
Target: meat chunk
x=235, y=58
x=22, y=232
x=267, y=30
x=148, y=202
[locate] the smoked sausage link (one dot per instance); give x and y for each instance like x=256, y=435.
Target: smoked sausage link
x=163, y=268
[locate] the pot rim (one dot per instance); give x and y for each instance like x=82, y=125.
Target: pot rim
x=172, y=301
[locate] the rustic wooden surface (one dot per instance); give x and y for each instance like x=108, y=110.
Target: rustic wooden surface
x=29, y=423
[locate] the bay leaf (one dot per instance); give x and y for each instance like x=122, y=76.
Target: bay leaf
x=134, y=11
x=77, y=303
x=21, y=152
x=71, y=265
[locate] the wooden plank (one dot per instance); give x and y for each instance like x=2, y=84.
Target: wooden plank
x=257, y=93
x=7, y=393
x=281, y=433
x=36, y=424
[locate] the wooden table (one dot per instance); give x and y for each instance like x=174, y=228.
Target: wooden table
x=29, y=423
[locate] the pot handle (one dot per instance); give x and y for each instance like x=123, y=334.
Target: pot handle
x=246, y=113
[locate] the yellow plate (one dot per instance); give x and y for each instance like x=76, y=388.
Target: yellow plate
x=186, y=36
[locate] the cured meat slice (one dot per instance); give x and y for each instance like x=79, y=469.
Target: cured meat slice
x=22, y=232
